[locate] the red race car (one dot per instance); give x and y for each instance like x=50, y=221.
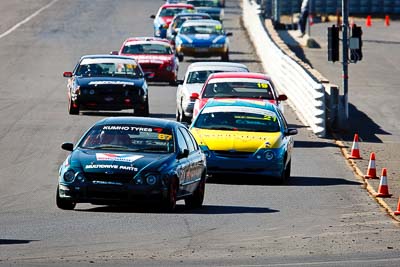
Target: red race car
x=165, y=15
x=155, y=56
x=246, y=85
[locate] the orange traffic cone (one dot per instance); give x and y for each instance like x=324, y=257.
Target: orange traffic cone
x=397, y=212
x=383, y=190
x=387, y=21
x=368, y=23
x=371, y=171
x=355, y=151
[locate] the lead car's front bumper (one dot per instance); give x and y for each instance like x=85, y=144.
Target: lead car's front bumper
x=107, y=193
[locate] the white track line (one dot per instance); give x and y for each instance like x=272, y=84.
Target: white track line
x=16, y=26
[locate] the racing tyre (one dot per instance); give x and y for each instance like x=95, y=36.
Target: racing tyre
x=196, y=200
x=288, y=170
x=185, y=118
x=64, y=204
x=174, y=82
x=143, y=112
x=169, y=203
x=71, y=109
x=285, y=174
x=225, y=57
x=182, y=117
x=177, y=114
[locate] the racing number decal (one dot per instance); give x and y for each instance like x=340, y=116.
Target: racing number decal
x=262, y=85
x=164, y=137
x=269, y=118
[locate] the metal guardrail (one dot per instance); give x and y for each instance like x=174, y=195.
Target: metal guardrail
x=305, y=95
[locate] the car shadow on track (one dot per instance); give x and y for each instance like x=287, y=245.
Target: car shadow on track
x=243, y=61
x=270, y=181
x=126, y=114
x=160, y=84
x=314, y=144
x=107, y=113
x=181, y=209
x=163, y=115
x=236, y=179
x=15, y=241
x=214, y=209
x=319, y=181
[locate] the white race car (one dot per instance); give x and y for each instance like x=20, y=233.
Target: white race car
x=196, y=74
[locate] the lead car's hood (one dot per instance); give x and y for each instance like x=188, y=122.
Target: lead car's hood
x=91, y=161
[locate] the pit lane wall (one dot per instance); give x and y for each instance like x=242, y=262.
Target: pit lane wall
x=305, y=92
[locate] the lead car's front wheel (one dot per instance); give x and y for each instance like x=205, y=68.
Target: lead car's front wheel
x=285, y=176
x=196, y=200
x=64, y=204
x=169, y=203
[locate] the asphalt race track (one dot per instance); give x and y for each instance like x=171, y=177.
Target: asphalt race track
x=322, y=217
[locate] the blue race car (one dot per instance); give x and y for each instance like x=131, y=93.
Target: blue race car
x=132, y=159
x=203, y=38
x=179, y=19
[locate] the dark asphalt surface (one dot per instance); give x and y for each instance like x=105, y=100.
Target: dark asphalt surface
x=322, y=217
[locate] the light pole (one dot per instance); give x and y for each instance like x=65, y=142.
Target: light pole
x=277, y=12
x=345, y=53
x=308, y=17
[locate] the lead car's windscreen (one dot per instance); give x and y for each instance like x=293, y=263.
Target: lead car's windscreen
x=129, y=138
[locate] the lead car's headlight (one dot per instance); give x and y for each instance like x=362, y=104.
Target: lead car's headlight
x=269, y=155
x=69, y=176
x=80, y=177
x=151, y=179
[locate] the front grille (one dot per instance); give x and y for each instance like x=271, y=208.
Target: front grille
x=107, y=195
x=232, y=154
x=108, y=90
x=150, y=66
x=116, y=177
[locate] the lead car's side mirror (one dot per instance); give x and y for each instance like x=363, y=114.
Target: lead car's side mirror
x=183, y=154
x=291, y=131
x=67, y=146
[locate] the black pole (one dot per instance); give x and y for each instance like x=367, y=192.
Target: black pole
x=345, y=74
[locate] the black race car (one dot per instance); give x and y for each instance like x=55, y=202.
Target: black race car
x=132, y=159
x=107, y=82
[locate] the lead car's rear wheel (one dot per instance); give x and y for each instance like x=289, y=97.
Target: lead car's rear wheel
x=64, y=204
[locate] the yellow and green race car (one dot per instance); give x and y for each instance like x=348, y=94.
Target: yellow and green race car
x=249, y=137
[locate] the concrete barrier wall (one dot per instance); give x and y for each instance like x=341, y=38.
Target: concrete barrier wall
x=306, y=95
